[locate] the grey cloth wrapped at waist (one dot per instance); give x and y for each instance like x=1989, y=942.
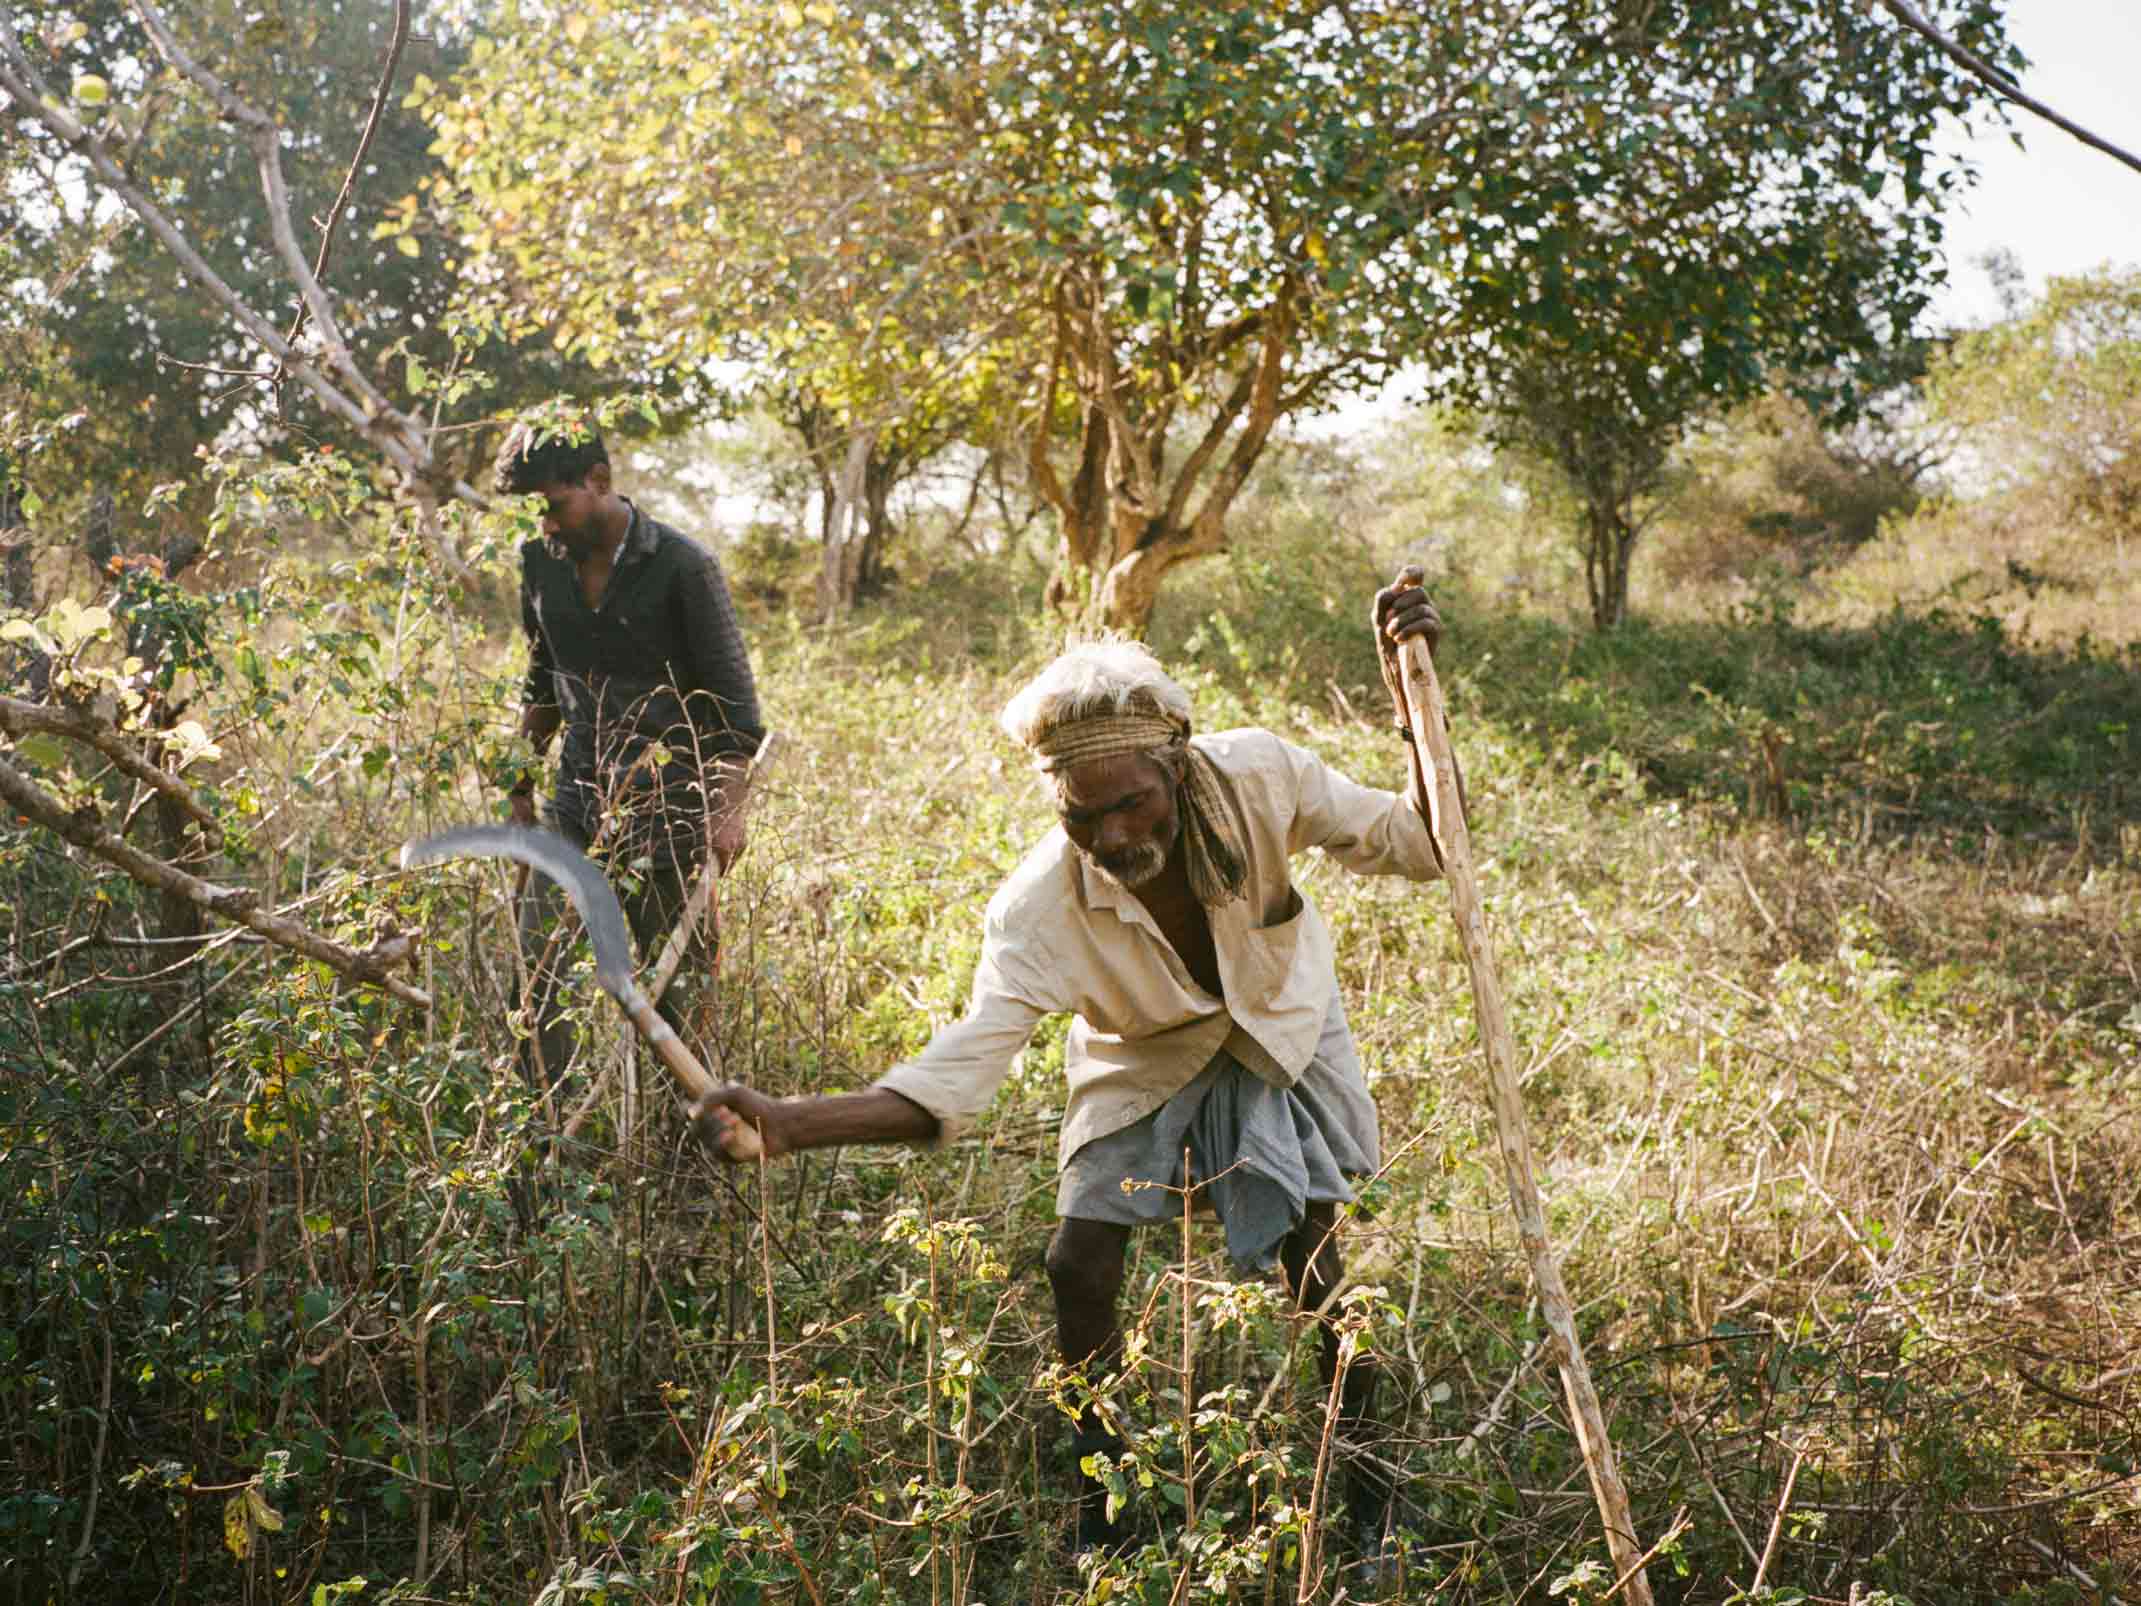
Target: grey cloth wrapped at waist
x=1260, y=1154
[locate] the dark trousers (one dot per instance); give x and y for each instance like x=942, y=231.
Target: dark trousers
x=653, y=894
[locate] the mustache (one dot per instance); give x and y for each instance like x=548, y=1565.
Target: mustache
x=1136, y=866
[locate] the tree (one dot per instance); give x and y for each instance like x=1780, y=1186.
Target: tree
x=1564, y=419
x=1735, y=194
x=674, y=137
x=2049, y=401
x=99, y=697
x=1158, y=219
x=1764, y=492
x=1185, y=222
x=157, y=371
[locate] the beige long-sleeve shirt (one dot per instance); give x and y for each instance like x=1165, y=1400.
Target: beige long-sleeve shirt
x=1061, y=938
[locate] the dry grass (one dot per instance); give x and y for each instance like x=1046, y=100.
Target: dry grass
x=1832, y=1091
x=2027, y=566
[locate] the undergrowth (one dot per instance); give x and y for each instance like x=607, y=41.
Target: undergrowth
x=1822, y=948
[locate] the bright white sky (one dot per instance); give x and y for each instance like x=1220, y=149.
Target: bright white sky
x=2059, y=205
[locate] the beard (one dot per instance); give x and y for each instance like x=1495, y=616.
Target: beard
x=1136, y=866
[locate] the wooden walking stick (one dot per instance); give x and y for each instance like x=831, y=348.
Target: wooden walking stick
x=1453, y=843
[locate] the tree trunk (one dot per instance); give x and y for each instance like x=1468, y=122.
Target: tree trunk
x=1125, y=519
x=177, y=840
x=1081, y=512
x=179, y=920
x=1126, y=593
x=1623, y=552
x=880, y=475
x=838, y=573
x=15, y=537
x=1609, y=544
x=18, y=581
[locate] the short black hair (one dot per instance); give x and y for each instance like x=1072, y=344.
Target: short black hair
x=557, y=447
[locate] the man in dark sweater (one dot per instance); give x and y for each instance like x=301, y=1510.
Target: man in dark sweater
x=634, y=650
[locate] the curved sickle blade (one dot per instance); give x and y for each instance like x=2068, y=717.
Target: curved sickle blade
x=607, y=934
x=565, y=864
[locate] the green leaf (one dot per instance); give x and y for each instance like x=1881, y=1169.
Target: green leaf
x=46, y=752
x=71, y=625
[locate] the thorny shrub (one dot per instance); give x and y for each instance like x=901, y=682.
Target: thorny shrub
x=310, y=1299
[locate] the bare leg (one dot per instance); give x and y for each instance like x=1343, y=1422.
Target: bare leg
x=1085, y=1270
x=1310, y=1259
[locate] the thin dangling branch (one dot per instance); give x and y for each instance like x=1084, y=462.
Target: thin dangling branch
x=1998, y=82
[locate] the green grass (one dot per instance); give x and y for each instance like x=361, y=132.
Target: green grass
x=1824, y=975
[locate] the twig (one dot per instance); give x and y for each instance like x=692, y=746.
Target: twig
x=395, y=42
x=1188, y=1313
x=1319, y=1487
x=702, y=892
x=1681, y=1523
x=96, y=1465
x=265, y=137
x=199, y=1003
x=2042, y=1387
x=1731, y=1521
x=2092, y=1585
x=598, y=1084
x=20, y=83
x=1477, y=1433
x=1755, y=897
x=1776, y=1523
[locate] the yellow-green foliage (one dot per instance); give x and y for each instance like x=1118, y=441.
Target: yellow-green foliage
x=2010, y=488
x=1823, y=975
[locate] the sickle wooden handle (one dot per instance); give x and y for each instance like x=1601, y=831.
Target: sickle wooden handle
x=739, y=1139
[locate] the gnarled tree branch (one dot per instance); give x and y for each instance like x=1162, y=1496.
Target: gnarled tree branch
x=341, y=387
x=238, y=904
x=19, y=718
x=263, y=134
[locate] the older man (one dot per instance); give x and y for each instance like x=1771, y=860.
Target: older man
x=1162, y=914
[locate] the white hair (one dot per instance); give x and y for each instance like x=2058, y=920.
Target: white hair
x=1107, y=675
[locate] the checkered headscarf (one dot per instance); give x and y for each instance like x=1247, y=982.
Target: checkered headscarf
x=1210, y=843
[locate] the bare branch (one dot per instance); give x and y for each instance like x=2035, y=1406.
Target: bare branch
x=265, y=136
x=1998, y=82
x=1263, y=414
x=348, y=393
x=17, y=80
x=242, y=113
x=1037, y=464
x=237, y=904
x=1202, y=453
x=395, y=43
x=1132, y=448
